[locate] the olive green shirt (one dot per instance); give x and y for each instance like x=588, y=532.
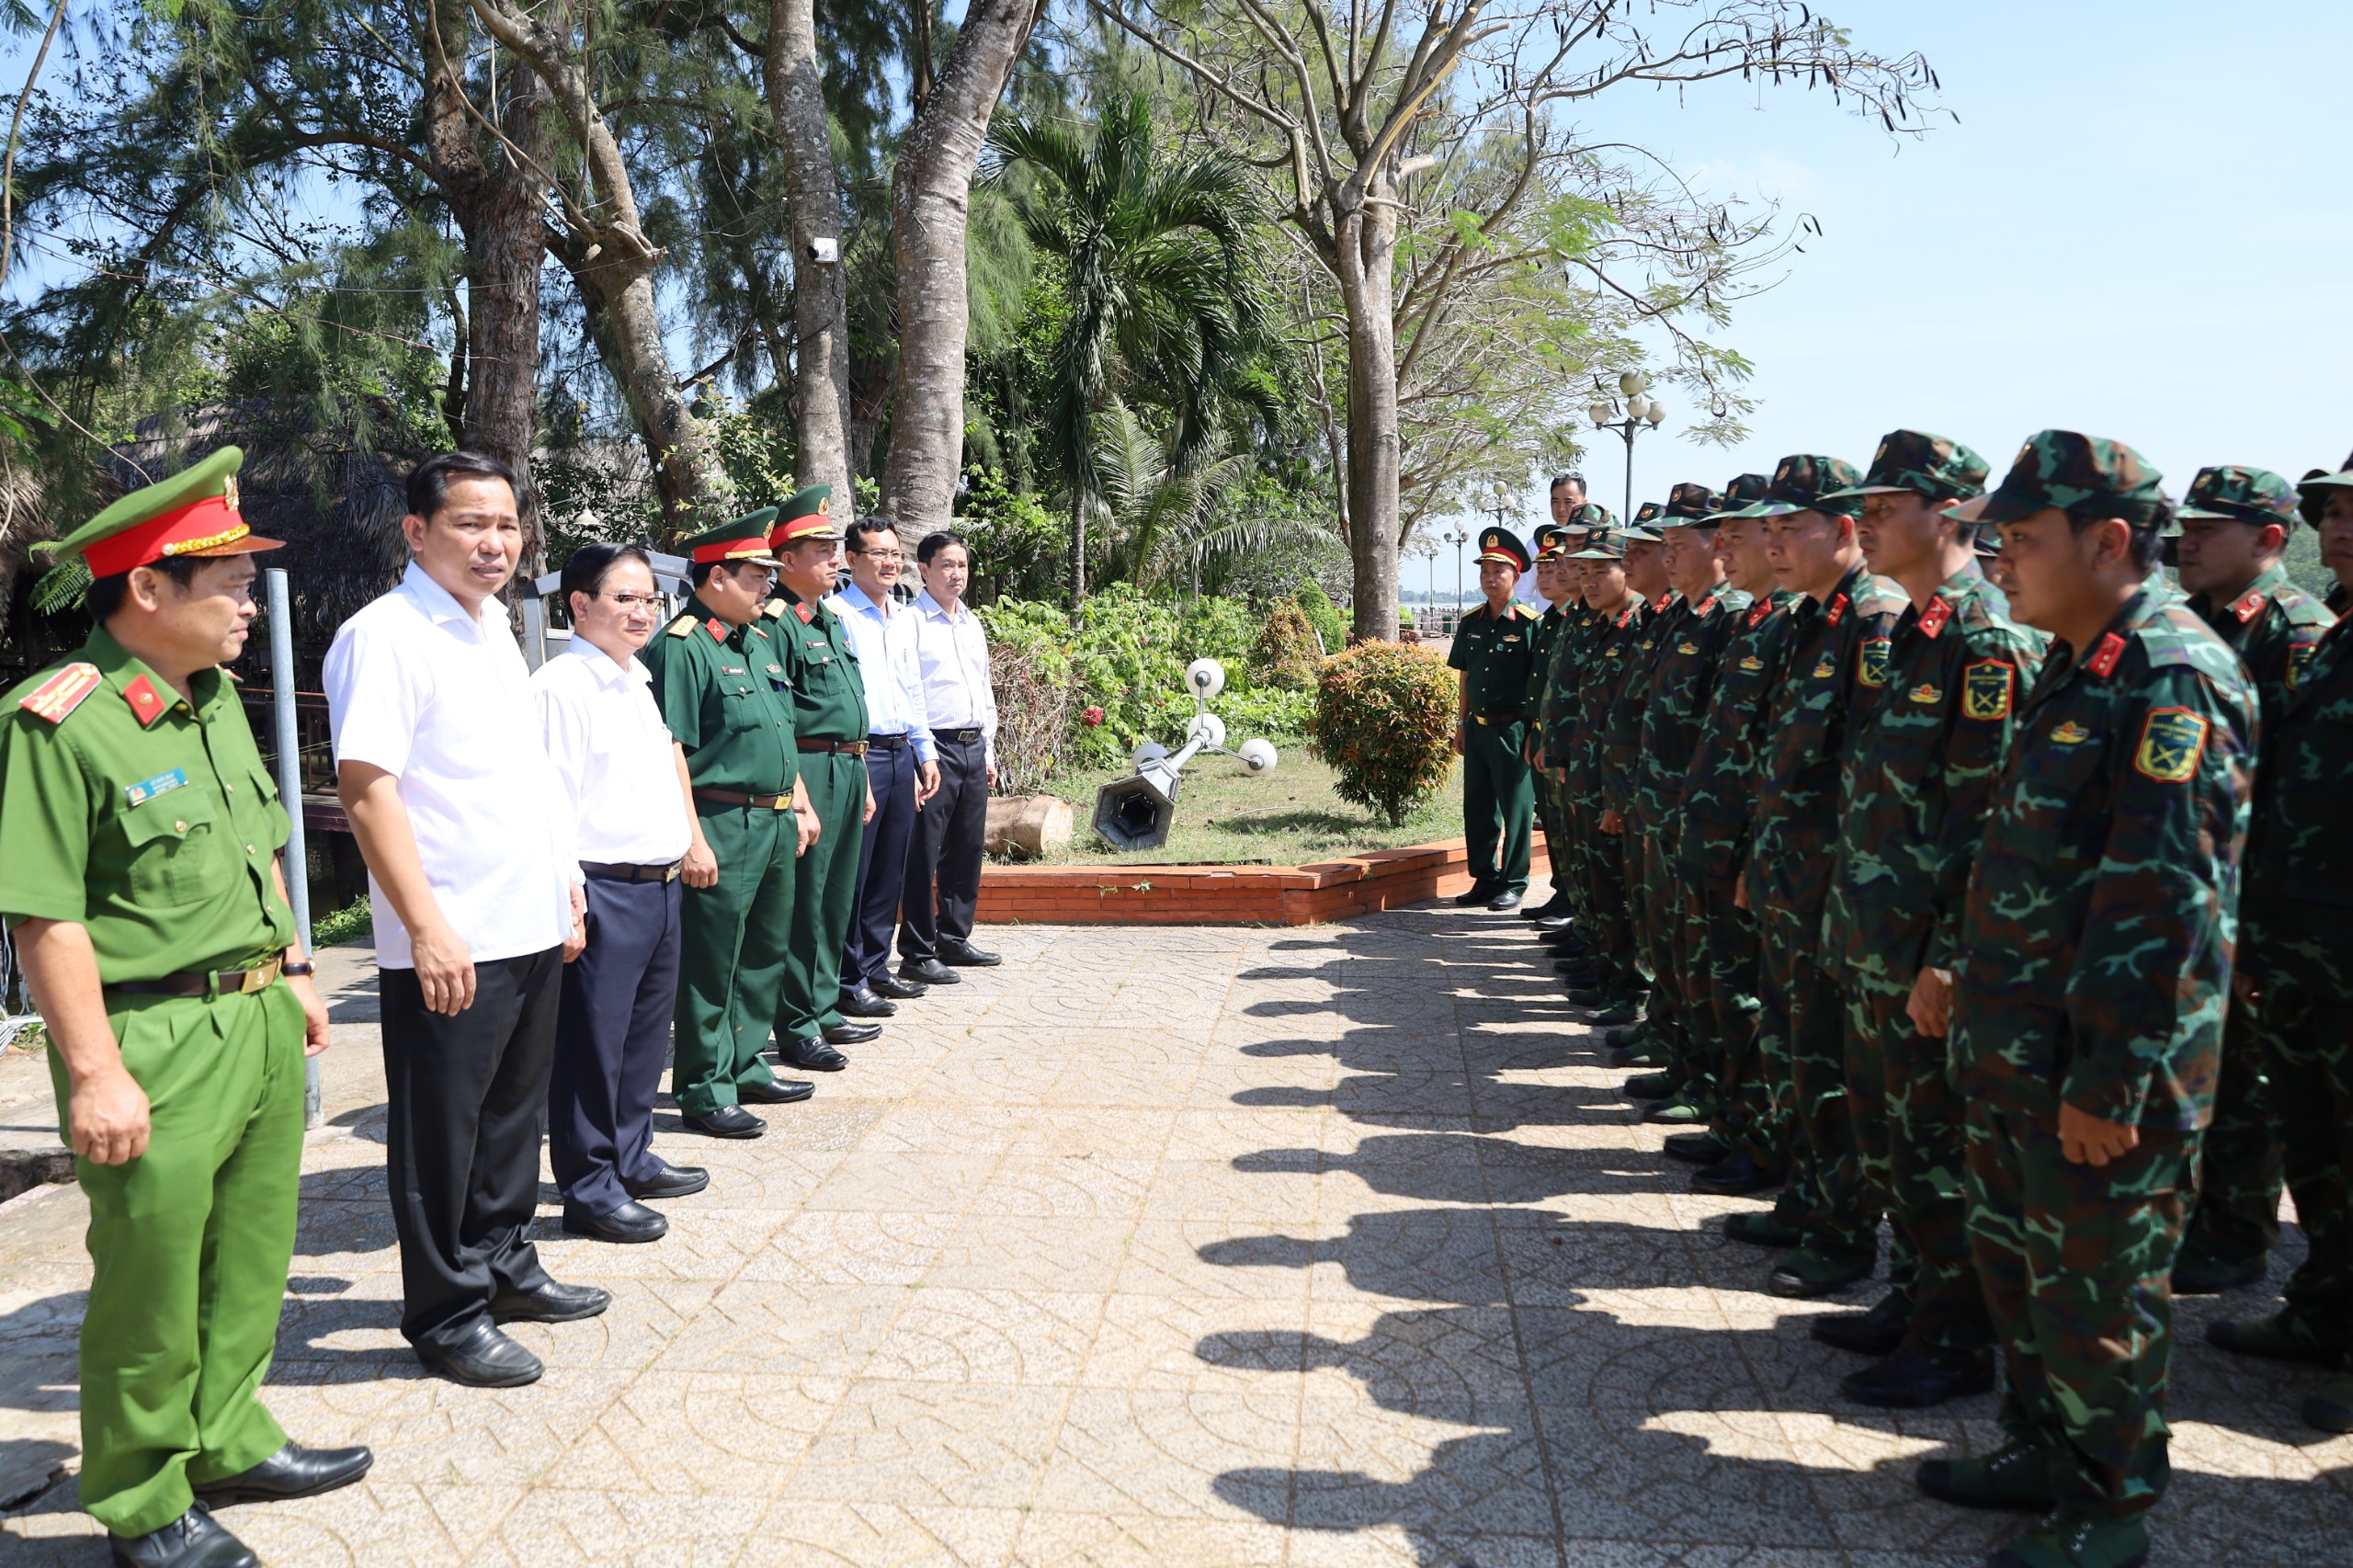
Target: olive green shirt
x=717, y=687
x=1496, y=655
x=828, y=693
x=145, y=818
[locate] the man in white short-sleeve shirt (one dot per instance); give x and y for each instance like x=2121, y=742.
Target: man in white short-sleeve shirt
x=474, y=879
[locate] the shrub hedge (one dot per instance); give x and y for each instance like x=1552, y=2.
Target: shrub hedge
x=1384, y=719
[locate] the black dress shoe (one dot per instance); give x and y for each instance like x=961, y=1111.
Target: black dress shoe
x=812, y=1055
x=673, y=1181
x=963, y=955
x=1553, y=908
x=192, y=1541
x=1737, y=1174
x=1696, y=1148
x=1911, y=1379
x=549, y=1302
x=842, y=1034
x=863, y=1004
x=775, y=1091
x=1505, y=901
x=1877, y=1332
x=929, y=972
x=1570, y=945
x=1478, y=892
x=293, y=1471
x=899, y=990
x=727, y=1121
x=632, y=1221
x=1552, y=922
x=484, y=1358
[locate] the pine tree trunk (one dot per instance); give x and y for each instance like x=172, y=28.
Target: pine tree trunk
x=795, y=95
x=930, y=200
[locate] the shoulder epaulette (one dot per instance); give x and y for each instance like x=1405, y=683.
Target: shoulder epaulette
x=773, y=610
x=682, y=627
x=2249, y=606
x=62, y=693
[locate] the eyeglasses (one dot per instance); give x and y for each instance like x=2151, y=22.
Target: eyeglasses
x=880, y=554
x=632, y=601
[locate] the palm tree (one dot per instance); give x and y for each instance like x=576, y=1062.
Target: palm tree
x=1159, y=282
x=1164, y=518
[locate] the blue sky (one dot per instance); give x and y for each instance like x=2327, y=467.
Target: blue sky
x=2140, y=228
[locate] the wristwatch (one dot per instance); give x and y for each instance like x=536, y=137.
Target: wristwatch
x=301, y=966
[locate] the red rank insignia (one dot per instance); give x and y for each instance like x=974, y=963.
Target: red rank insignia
x=2247, y=608
x=1664, y=600
x=802, y=611
x=1933, y=618
x=1762, y=608
x=1630, y=612
x=2103, y=659
x=1837, y=609
x=62, y=693
x=717, y=628
x=145, y=703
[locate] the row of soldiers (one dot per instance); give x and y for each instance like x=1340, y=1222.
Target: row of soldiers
x=1996, y=888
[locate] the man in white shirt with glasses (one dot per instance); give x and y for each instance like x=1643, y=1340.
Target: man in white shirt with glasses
x=943, y=881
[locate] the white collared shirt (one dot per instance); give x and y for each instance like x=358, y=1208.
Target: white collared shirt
x=953, y=654
x=442, y=701
x=884, y=640
x=613, y=756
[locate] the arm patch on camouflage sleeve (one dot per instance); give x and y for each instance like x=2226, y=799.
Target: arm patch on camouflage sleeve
x=2172, y=740
x=1985, y=689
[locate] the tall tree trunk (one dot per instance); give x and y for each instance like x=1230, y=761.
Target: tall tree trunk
x=497, y=200
x=930, y=198
x=1367, y=242
x=796, y=91
x=1077, y=546
x=687, y=473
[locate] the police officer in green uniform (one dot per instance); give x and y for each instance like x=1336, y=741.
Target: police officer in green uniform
x=821, y=680
x=2233, y=532
x=715, y=671
x=142, y=888
x=1495, y=649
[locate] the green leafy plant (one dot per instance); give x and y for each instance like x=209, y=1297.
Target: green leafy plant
x=1323, y=615
x=1285, y=654
x=354, y=922
x=1384, y=716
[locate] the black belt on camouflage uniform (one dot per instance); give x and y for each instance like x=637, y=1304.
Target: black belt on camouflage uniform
x=205, y=982
x=604, y=872
x=1508, y=716
x=846, y=748
x=737, y=798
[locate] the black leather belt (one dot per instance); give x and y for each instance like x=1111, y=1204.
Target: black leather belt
x=843, y=748
x=964, y=737
x=737, y=798
x=886, y=743
x=611, y=873
x=206, y=982
x=1508, y=716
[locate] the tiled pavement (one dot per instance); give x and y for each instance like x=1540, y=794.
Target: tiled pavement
x=1332, y=1247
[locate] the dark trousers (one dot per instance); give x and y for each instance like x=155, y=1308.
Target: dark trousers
x=462, y=1150
x=611, y=1036
x=943, y=885
x=882, y=865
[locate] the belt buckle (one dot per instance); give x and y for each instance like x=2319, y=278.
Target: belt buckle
x=259, y=979
x=775, y=803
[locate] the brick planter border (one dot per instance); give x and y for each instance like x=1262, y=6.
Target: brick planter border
x=1226, y=895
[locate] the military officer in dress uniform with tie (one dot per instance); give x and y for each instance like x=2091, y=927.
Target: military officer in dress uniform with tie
x=1494, y=651
x=715, y=671
x=142, y=888
x=820, y=678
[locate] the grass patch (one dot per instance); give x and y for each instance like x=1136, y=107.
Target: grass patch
x=354, y=922
x=1226, y=816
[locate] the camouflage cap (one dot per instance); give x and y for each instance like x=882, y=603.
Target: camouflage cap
x=2241, y=494
x=1687, y=503
x=1644, y=536
x=1744, y=490
x=2086, y=475
x=1550, y=539
x=1603, y=544
x=1648, y=512
x=2314, y=490
x=1804, y=482
x=1592, y=514
x=1914, y=461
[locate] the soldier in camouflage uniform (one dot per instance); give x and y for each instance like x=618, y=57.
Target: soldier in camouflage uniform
x=1562, y=714
x=1549, y=542
x=1921, y=767
x=2297, y=985
x=1621, y=745
x=1836, y=668
x=2234, y=529
x=1616, y=981
x=2111, y=858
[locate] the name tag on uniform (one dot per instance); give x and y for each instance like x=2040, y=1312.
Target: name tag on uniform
x=147, y=789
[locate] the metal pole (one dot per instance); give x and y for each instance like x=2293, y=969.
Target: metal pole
x=535, y=632
x=1626, y=518
x=289, y=791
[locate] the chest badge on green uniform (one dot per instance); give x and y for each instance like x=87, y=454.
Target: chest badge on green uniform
x=1687, y=649
x=1751, y=663
x=1826, y=669
x=2069, y=733
x=1926, y=695
x=1985, y=690
x=2171, y=739
x=1870, y=663
x=146, y=790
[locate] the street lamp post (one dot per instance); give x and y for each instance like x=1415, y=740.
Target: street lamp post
x=1459, y=537
x=1640, y=414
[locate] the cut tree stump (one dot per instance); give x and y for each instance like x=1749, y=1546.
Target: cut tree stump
x=1027, y=827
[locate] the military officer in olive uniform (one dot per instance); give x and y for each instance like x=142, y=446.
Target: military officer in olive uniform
x=2233, y=532
x=715, y=670
x=1495, y=649
x=142, y=888
x=821, y=677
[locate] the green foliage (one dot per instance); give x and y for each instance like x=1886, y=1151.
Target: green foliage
x=1013, y=543
x=1323, y=615
x=1285, y=655
x=354, y=922
x=1384, y=719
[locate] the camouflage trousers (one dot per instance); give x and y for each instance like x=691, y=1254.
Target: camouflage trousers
x=1658, y=925
x=1803, y=1041
x=2077, y=1263
x=1722, y=964
x=1606, y=891
x=2304, y=1018
x=2236, y=1217
x=1551, y=820
x=1908, y=1123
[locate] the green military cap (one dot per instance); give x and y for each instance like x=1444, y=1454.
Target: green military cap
x=1744, y=490
x=1804, y=482
x=2086, y=475
x=1937, y=467
x=1687, y=503
x=1604, y=544
x=1648, y=512
x=1550, y=540
x=741, y=542
x=1591, y=514
x=2240, y=494
x=1502, y=544
x=2314, y=490
x=805, y=513
x=193, y=512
